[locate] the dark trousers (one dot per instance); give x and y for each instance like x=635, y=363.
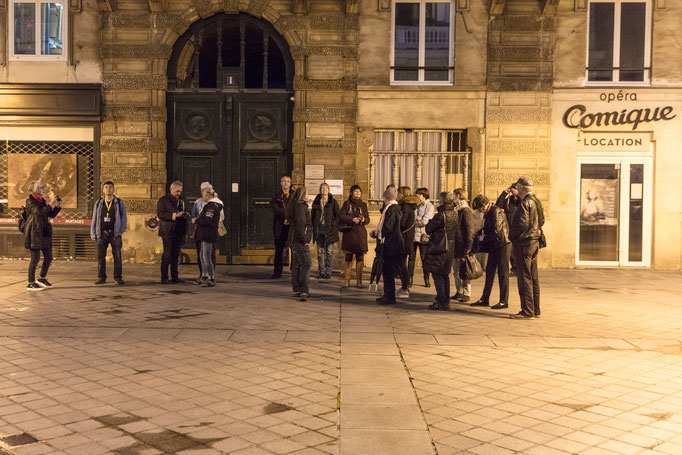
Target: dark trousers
x=526, y=262
x=388, y=273
x=171, y=256
x=300, y=267
x=442, y=284
x=198, y=244
x=498, y=261
x=280, y=246
x=35, y=258
x=402, y=272
x=412, y=259
x=103, y=242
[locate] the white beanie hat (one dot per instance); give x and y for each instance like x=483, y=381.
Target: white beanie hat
x=205, y=186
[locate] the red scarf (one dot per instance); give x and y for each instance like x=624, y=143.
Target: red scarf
x=37, y=197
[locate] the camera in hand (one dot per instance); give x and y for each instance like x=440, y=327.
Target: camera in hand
x=59, y=199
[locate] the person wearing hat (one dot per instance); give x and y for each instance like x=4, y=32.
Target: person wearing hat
x=524, y=233
x=353, y=218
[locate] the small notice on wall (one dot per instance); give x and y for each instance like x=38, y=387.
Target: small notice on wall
x=335, y=187
x=314, y=171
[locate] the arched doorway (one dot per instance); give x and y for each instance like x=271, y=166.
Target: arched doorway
x=229, y=100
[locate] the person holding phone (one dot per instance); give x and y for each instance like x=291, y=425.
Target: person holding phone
x=172, y=228
x=38, y=233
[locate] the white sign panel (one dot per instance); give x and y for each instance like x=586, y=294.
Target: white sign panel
x=314, y=171
x=335, y=187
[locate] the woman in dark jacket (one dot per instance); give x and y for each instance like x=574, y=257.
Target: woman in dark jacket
x=352, y=220
x=408, y=203
x=207, y=234
x=445, y=222
x=38, y=234
x=300, y=235
x=325, y=217
x=390, y=242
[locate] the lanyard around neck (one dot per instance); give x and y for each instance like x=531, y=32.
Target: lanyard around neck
x=108, y=206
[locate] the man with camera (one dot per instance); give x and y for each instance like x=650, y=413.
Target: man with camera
x=172, y=228
x=109, y=221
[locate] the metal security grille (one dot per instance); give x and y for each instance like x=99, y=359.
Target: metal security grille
x=84, y=152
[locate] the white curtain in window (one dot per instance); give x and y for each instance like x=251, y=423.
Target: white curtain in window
x=383, y=142
x=431, y=142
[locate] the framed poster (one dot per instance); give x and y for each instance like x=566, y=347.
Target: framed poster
x=599, y=202
x=59, y=173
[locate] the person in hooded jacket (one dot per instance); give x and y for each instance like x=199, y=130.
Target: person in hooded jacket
x=207, y=234
x=325, y=218
x=390, y=239
x=444, y=223
x=353, y=218
x=408, y=204
x=300, y=235
x=422, y=215
x=38, y=233
x=495, y=241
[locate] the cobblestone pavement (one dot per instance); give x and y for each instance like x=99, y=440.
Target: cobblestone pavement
x=242, y=368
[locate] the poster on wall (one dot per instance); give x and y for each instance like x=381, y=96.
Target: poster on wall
x=59, y=173
x=599, y=202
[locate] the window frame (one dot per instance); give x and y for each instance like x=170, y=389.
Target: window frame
x=38, y=56
x=615, y=72
x=422, y=44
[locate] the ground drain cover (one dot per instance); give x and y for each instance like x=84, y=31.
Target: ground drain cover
x=274, y=408
x=19, y=440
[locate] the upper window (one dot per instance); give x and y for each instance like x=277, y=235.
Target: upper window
x=619, y=42
x=37, y=30
x=423, y=37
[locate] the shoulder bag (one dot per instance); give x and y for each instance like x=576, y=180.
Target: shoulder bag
x=441, y=246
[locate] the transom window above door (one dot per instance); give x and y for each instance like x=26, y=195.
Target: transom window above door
x=422, y=48
x=619, y=42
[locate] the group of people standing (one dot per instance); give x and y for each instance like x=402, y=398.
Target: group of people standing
x=443, y=236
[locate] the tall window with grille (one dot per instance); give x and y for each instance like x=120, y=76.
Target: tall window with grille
x=619, y=42
x=422, y=50
x=434, y=159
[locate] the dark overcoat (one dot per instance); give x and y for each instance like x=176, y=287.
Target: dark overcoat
x=445, y=221
x=354, y=241
x=331, y=219
x=38, y=230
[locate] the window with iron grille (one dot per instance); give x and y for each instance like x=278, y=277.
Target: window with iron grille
x=433, y=159
x=67, y=169
x=619, y=42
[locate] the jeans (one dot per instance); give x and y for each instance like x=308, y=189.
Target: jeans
x=300, y=267
x=207, y=258
x=107, y=238
x=325, y=257
x=171, y=256
x=442, y=284
x=35, y=258
x=390, y=266
x=412, y=258
x=498, y=261
x=463, y=286
x=198, y=243
x=280, y=245
x=526, y=263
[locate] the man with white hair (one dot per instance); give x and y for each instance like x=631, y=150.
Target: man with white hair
x=196, y=211
x=172, y=228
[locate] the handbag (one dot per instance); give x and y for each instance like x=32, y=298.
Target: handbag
x=470, y=268
x=542, y=241
x=441, y=246
x=344, y=228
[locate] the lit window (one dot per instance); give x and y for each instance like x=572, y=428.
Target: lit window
x=619, y=41
x=423, y=42
x=37, y=30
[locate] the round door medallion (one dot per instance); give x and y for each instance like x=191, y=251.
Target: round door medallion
x=262, y=126
x=197, y=126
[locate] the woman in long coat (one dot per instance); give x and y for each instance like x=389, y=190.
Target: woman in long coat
x=439, y=265
x=353, y=218
x=38, y=233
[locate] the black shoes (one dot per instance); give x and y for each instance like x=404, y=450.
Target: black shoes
x=119, y=281
x=439, y=307
x=177, y=281
x=34, y=287
x=43, y=283
x=456, y=297
x=521, y=315
x=500, y=306
x=427, y=282
x=165, y=281
x=100, y=281
x=384, y=301
x=274, y=276
x=480, y=303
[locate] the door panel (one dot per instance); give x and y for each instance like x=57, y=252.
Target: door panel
x=262, y=172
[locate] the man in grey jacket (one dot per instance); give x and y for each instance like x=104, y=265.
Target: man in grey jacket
x=109, y=221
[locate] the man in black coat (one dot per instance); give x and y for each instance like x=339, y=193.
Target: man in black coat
x=495, y=242
x=525, y=233
x=172, y=228
x=281, y=203
x=509, y=201
x=392, y=250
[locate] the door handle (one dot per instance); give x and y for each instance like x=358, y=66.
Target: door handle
x=261, y=203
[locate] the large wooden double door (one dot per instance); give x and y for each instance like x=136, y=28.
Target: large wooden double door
x=239, y=143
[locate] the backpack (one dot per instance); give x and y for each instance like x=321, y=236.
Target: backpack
x=22, y=220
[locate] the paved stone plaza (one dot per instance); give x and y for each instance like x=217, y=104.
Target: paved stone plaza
x=243, y=369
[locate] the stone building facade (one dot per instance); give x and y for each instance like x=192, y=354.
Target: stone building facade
x=479, y=104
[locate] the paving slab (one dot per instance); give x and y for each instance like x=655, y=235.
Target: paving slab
x=394, y=442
